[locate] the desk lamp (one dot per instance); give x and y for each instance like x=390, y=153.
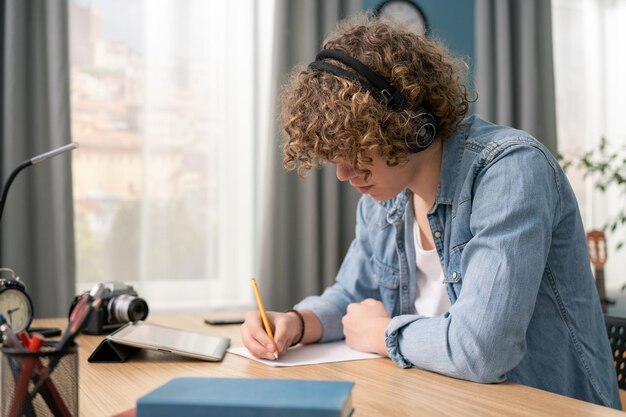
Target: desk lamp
x=15, y=303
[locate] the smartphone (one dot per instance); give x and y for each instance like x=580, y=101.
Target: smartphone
x=220, y=322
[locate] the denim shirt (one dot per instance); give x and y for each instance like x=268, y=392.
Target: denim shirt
x=508, y=232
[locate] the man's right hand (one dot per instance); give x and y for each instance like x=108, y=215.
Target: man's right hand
x=285, y=326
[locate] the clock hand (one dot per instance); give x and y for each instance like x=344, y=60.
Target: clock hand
x=10, y=320
x=10, y=312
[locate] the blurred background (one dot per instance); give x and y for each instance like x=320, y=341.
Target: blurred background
x=177, y=187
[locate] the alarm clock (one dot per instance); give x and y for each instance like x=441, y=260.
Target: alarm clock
x=15, y=303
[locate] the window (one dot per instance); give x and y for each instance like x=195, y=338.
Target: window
x=169, y=105
x=589, y=62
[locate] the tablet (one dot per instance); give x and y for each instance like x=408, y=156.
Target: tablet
x=167, y=339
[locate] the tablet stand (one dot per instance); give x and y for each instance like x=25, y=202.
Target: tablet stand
x=111, y=352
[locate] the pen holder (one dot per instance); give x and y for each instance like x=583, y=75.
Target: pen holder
x=42, y=383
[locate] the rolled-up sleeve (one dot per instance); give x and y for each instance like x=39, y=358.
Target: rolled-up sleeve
x=514, y=207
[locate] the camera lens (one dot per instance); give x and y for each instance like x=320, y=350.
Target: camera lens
x=124, y=308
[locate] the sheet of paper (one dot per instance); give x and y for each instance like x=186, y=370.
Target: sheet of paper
x=311, y=354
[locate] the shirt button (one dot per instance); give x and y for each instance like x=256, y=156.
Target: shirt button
x=437, y=234
x=454, y=275
x=405, y=287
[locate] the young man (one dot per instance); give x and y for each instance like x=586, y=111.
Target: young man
x=470, y=257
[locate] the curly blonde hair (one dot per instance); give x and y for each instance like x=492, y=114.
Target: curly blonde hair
x=331, y=119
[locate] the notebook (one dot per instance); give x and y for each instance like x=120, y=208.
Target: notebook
x=247, y=397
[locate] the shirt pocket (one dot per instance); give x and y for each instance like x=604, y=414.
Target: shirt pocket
x=387, y=278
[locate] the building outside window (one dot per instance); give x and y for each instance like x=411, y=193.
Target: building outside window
x=170, y=106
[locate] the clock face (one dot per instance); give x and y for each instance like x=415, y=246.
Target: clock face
x=406, y=13
x=16, y=308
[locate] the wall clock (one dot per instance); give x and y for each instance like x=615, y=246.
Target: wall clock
x=405, y=12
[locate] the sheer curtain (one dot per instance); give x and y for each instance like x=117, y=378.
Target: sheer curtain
x=189, y=77
x=197, y=223
x=589, y=60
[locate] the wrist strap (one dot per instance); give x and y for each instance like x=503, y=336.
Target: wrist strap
x=299, y=339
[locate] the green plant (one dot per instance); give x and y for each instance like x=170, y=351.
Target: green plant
x=606, y=165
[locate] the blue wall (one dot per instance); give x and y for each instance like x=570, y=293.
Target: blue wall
x=451, y=21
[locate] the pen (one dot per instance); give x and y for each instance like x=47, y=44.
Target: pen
x=87, y=302
x=21, y=388
x=266, y=322
x=48, y=390
x=10, y=340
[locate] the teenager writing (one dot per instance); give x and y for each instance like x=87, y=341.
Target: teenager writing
x=470, y=257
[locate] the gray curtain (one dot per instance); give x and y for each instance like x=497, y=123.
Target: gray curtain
x=308, y=223
x=514, y=66
x=37, y=236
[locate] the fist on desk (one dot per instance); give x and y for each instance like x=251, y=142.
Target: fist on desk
x=364, y=326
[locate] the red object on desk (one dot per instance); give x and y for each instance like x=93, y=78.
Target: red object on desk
x=21, y=388
x=49, y=391
x=131, y=412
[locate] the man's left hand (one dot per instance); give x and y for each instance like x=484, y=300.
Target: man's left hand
x=364, y=326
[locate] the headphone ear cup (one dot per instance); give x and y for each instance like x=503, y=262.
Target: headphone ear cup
x=426, y=133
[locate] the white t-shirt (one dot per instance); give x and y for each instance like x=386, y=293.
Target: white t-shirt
x=432, y=298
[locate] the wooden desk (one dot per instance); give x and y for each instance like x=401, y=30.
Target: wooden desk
x=381, y=389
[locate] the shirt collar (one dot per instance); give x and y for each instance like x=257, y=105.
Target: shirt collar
x=453, y=148
x=396, y=206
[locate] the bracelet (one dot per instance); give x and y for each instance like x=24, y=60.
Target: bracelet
x=301, y=326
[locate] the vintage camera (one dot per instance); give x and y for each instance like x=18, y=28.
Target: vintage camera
x=119, y=306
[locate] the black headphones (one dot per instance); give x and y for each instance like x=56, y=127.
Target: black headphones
x=384, y=91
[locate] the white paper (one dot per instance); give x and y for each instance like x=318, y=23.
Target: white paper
x=311, y=354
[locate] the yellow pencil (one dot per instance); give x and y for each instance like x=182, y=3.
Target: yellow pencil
x=266, y=322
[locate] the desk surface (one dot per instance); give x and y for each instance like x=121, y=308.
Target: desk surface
x=381, y=389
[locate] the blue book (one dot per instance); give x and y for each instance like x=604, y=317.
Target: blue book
x=248, y=397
